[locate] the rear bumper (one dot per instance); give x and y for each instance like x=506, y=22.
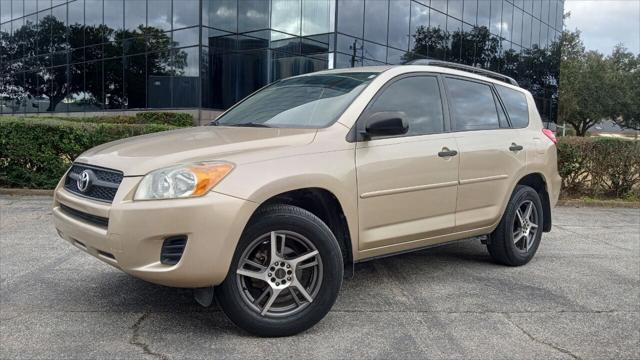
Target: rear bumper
x=136, y=230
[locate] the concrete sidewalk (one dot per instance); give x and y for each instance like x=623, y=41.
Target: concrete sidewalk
x=578, y=298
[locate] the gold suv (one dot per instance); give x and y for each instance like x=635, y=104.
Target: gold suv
x=274, y=202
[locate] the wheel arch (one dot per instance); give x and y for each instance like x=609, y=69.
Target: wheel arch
x=538, y=182
x=324, y=204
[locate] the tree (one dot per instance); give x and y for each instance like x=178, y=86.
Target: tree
x=597, y=87
x=629, y=111
x=625, y=73
x=586, y=84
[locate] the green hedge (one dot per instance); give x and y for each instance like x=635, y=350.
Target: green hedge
x=599, y=166
x=175, y=119
x=35, y=152
x=163, y=118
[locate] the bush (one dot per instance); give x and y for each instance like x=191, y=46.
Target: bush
x=168, y=118
x=164, y=118
x=35, y=152
x=116, y=119
x=599, y=166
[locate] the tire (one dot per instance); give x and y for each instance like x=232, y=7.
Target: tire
x=250, y=285
x=514, y=242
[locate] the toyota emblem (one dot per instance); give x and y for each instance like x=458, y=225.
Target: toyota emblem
x=84, y=181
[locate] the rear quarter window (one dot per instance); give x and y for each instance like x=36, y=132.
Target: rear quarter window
x=516, y=105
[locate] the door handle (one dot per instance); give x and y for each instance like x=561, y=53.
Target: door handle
x=447, y=153
x=515, y=147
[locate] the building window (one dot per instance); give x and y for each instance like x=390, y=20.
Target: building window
x=212, y=53
x=376, y=15
x=351, y=17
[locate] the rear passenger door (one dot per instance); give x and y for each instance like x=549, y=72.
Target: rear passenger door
x=490, y=155
x=406, y=189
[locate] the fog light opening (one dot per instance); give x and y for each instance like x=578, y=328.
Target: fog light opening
x=172, y=249
x=106, y=255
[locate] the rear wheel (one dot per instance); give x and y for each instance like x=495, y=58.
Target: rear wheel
x=516, y=239
x=285, y=274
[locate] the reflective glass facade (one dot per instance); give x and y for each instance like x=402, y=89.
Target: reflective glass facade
x=100, y=55
x=518, y=38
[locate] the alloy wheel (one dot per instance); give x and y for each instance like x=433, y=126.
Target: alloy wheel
x=525, y=226
x=279, y=273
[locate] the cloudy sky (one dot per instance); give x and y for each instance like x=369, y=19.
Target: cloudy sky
x=604, y=23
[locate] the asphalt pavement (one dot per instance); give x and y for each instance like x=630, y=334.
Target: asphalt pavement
x=579, y=298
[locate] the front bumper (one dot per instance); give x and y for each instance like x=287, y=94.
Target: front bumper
x=136, y=230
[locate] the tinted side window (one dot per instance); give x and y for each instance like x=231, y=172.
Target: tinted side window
x=516, y=104
x=472, y=105
x=419, y=98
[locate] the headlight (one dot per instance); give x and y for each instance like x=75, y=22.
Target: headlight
x=182, y=181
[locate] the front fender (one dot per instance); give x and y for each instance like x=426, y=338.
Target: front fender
x=333, y=171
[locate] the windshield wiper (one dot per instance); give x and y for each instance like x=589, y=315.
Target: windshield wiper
x=250, y=124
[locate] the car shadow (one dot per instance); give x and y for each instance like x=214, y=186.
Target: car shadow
x=118, y=291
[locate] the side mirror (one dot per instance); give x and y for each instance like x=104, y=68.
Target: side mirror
x=385, y=123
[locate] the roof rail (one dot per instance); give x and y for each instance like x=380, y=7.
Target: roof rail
x=471, y=69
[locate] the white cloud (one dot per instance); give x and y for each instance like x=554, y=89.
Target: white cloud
x=605, y=23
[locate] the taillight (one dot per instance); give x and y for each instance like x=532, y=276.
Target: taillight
x=551, y=135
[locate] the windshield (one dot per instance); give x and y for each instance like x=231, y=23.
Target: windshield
x=312, y=101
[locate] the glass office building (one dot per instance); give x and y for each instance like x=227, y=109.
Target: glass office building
x=62, y=56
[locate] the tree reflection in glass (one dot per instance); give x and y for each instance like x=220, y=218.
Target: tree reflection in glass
x=33, y=83
x=536, y=69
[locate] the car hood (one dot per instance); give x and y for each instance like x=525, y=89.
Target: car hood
x=139, y=155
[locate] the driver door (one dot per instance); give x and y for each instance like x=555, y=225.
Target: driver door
x=407, y=185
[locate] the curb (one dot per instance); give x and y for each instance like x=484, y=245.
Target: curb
x=26, y=192
x=599, y=203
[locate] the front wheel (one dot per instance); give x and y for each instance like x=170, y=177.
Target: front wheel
x=516, y=239
x=285, y=274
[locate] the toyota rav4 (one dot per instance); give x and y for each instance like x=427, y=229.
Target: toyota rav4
x=274, y=202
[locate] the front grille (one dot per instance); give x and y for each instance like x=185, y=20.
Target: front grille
x=103, y=183
x=172, y=249
x=80, y=215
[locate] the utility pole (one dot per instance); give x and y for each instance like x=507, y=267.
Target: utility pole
x=354, y=48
